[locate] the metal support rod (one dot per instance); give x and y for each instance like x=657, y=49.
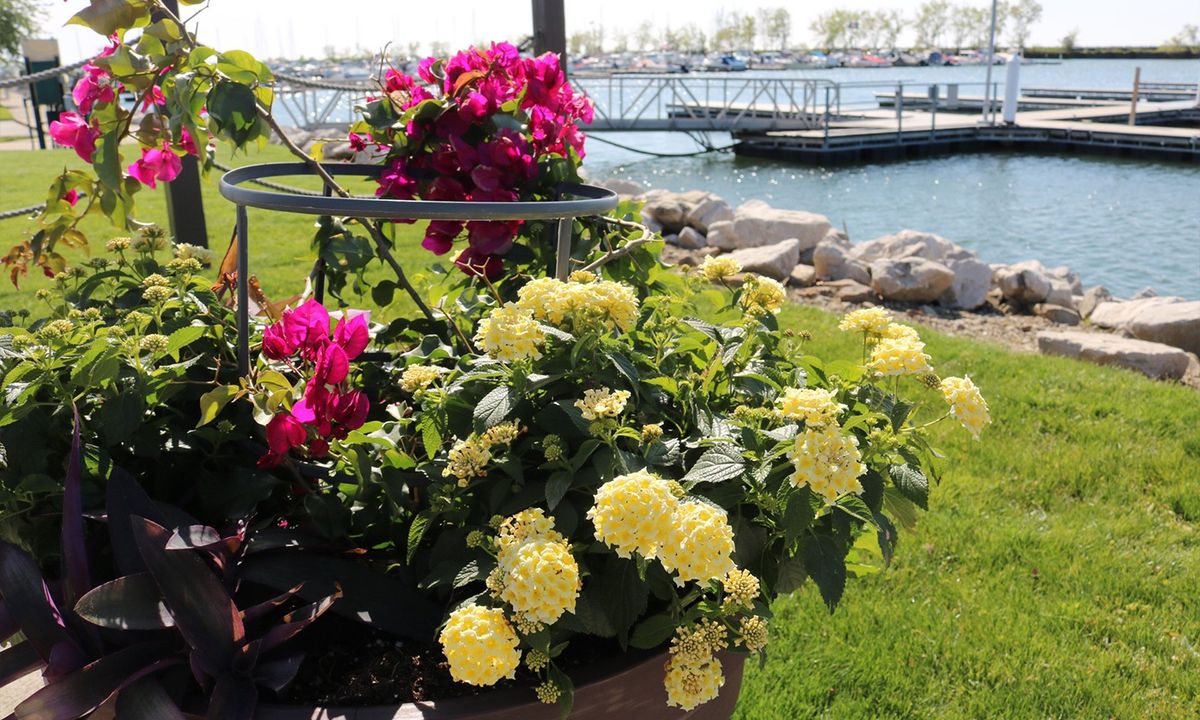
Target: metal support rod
x=899, y=112
x=243, y=293
x=562, y=248
x=550, y=29
x=991, y=59
x=1133, y=98
x=319, y=266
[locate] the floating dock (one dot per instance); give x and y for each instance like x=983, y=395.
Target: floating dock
x=1165, y=130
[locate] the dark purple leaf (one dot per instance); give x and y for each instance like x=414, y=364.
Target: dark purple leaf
x=18, y=661
x=369, y=594
x=74, y=545
x=261, y=610
x=146, y=700
x=204, y=613
x=8, y=626
x=295, y=622
x=278, y=674
x=233, y=698
x=129, y=603
x=29, y=602
x=65, y=658
x=86, y=689
x=194, y=537
x=125, y=499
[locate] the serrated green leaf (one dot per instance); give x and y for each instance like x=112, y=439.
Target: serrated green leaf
x=556, y=487
x=718, y=464
x=652, y=632
x=797, y=515
x=494, y=407
x=826, y=565
x=912, y=483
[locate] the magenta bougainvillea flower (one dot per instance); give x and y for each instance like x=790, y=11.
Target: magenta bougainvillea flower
x=479, y=126
x=328, y=409
x=160, y=163
x=73, y=131
x=96, y=85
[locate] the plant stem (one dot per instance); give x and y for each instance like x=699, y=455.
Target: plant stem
x=625, y=249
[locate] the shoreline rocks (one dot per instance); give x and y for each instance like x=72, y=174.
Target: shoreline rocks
x=924, y=269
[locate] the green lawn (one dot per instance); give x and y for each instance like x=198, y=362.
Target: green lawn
x=1056, y=575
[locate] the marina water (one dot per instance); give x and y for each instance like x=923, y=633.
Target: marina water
x=1123, y=223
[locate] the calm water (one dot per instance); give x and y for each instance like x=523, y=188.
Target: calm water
x=1125, y=224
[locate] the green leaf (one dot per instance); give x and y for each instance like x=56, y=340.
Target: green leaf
x=556, y=487
x=626, y=368
x=622, y=594
x=494, y=407
x=652, y=632
x=382, y=292
x=416, y=532
x=797, y=515
x=900, y=507
x=183, y=337
x=121, y=415
x=718, y=464
x=791, y=575
x=214, y=400
x=107, y=17
x=233, y=111
x=826, y=564
x=912, y=483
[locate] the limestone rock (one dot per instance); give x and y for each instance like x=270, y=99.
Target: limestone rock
x=721, y=234
x=1175, y=324
x=906, y=243
x=1146, y=292
x=1062, y=272
x=691, y=239
x=803, y=276
x=774, y=261
x=1153, y=359
x=972, y=280
x=1060, y=293
x=1057, y=313
x=1117, y=315
x=911, y=279
x=832, y=261
x=666, y=211
x=670, y=238
x=756, y=223
x=1024, y=282
x=710, y=210
x=854, y=292
x=1091, y=298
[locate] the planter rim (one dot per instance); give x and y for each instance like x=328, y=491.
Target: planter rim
x=612, y=676
x=586, y=199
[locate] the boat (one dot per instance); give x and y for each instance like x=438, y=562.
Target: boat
x=724, y=63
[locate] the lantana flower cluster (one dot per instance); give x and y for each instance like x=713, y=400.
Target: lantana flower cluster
x=476, y=127
x=329, y=409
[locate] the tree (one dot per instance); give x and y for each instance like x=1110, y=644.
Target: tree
x=620, y=42
x=1186, y=39
x=983, y=24
x=689, y=38
x=932, y=18
x=587, y=42
x=775, y=25
x=970, y=25
x=735, y=31
x=644, y=37
x=1068, y=41
x=831, y=27
x=889, y=24
x=19, y=19
x=1024, y=15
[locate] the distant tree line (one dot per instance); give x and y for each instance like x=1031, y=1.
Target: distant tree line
x=767, y=28
x=936, y=24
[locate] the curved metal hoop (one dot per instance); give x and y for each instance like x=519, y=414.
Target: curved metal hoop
x=584, y=200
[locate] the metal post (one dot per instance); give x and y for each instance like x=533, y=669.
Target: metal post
x=185, y=204
x=991, y=58
x=550, y=29
x=933, y=97
x=243, y=292
x=899, y=112
x=825, y=139
x=1133, y=99
x=37, y=110
x=562, y=248
x=319, y=267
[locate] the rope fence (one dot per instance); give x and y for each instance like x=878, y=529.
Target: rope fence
x=20, y=80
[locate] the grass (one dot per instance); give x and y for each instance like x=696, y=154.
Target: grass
x=1054, y=577
x=5, y=113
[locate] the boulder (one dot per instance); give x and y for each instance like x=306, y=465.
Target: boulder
x=710, y=210
x=1174, y=324
x=691, y=239
x=1060, y=293
x=1146, y=292
x=755, y=223
x=911, y=279
x=1062, y=272
x=1057, y=313
x=722, y=235
x=832, y=261
x=666, y=211
x=1153, y=359
x=803, y=276
x=774, y=261
x=670, y=238
x=620, y=186
x=1091, y=298
x=906, y=243
x=972, y=280
x=1118, y=315
x=854, y=292
x=1024, y=282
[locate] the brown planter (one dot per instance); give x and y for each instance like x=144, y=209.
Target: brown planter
x=623, y=688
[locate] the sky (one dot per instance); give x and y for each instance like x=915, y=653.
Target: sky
x=291, y=28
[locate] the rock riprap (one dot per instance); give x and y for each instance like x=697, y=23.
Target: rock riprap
x=1152, y=359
